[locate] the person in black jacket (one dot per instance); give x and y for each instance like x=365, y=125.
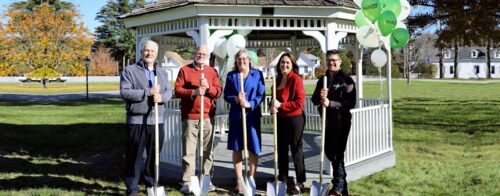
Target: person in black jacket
x=339, y=98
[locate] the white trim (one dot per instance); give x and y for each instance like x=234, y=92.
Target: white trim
x=474, y=53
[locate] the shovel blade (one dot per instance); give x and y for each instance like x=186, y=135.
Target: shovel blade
x=315, y=189
x=195, y=185
x=160, y=191
x=205, y=185
x=251, y=185
x=244, y=187
x=271, y=190
x=324, y=189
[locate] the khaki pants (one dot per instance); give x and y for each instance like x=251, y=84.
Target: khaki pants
x=190, y=140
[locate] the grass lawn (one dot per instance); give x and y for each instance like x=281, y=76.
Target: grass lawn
x=445, y=137
x=56, y=88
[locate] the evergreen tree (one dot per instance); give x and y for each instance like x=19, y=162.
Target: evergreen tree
x=112, y=33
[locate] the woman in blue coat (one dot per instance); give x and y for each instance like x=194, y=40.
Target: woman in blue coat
x=254, y=92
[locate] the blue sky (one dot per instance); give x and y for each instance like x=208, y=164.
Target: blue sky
x=88, y=9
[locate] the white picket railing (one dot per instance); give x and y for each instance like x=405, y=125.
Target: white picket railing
x=369, y=134
x=368, y=138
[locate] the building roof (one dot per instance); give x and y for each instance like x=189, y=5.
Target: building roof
x=174, y=56
x=170, y=4
x=464, y=54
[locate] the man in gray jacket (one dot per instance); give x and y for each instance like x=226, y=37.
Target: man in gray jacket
x=138, y=89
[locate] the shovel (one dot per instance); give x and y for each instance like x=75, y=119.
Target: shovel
x=156, y=190
x=277, y=188
x=247, y=184
x=320, y=189
x=202, y=188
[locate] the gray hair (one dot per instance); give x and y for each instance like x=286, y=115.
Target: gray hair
x=148, y=41
x=238, y=54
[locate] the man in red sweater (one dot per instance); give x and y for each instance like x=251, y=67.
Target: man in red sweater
x=189, y=87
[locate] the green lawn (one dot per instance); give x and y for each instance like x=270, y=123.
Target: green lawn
x=56, y=88
x=445, y=137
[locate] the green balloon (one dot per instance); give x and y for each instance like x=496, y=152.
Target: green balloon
x=387, y=21
x=393, y=5
x=371, y=9
x=253, y=58
x=399, y=38
x=360, y=20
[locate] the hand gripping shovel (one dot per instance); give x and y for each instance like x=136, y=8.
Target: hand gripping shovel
x=156, y=190
x=320, y=189
x=277, y=188
x=202, y=188
x=247, y=184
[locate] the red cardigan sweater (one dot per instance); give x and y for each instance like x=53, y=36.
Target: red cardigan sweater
x=188, y=80
x=291, y=96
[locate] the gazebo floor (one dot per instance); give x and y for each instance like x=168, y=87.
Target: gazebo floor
x=223, y=174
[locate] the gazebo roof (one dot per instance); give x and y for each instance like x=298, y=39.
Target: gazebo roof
x=165, y=5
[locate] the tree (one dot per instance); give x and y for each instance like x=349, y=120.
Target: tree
x=112, y=33
x=468, y=22
x=102, y=64
x=46, y=40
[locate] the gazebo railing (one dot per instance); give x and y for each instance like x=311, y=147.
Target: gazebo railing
x=369, y=136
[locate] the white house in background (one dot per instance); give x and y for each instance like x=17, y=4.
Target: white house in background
x=306, y=62
x=172, y=62
x=471, y=63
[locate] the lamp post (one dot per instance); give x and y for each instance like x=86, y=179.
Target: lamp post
x=87, y=62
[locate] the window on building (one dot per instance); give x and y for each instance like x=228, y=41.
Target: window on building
x=497, y=54
x=447, y=54
x=473, y=54
x=476, y=69
x=452, y=70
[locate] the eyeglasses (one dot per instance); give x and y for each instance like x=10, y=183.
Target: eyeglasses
x=334, y=60
x=201, y=54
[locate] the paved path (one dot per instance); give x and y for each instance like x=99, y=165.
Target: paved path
x=58, y=97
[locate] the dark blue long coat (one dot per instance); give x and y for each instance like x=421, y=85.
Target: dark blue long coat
x=255, y=92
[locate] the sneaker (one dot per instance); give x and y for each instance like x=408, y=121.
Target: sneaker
x=212, y=188
x=185, y=188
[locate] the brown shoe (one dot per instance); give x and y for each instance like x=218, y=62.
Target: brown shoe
x=334, y=193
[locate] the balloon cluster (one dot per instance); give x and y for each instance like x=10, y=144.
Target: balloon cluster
x=228, y=48
x=380, y=20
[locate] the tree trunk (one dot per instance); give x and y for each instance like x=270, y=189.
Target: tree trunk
x=488, y=60
x=455, y=62
x=44, y=82
x=441, y=66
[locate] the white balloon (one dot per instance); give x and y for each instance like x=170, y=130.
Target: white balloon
x=235, y=43
x=367, y=36
x=379, y=58
x=358, y=2
x=221, y=48
x=400, y=25
x=244, y=32
x=405, y=9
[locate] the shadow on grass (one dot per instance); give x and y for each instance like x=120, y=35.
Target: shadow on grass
x=43, y=155
x=467, y=116
x=72, y=102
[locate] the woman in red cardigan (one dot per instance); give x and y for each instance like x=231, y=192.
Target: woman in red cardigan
x=290, y=96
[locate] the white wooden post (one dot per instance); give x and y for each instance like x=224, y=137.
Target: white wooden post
x=358, y=53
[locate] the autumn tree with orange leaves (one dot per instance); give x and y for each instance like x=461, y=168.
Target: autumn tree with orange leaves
x=102, y=63
x=45, y=40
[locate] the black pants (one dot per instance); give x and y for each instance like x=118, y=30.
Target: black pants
x=290, y=130
x=337, y=133
x=140, y=137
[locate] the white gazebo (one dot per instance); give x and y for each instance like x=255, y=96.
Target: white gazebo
x=284, y=24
